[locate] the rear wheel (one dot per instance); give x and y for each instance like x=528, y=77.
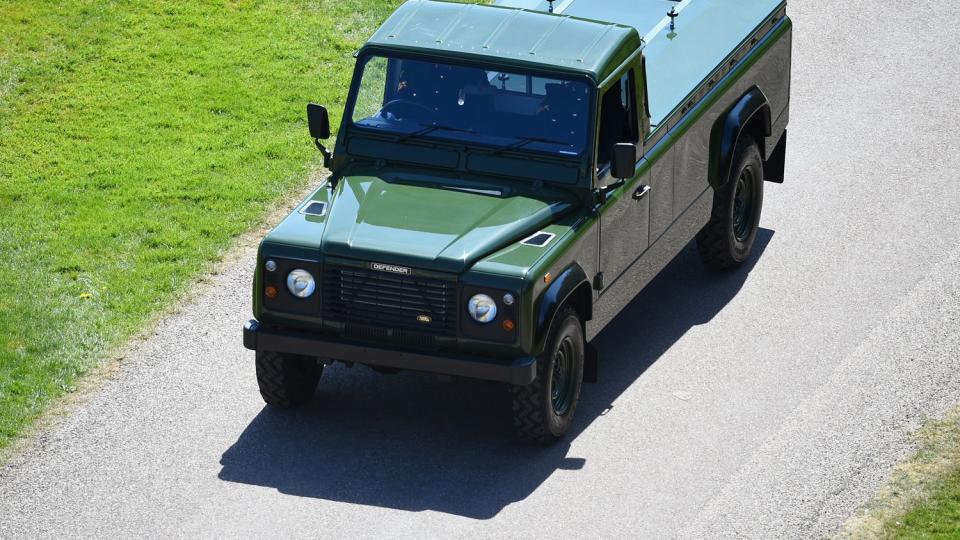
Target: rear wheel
x=543, y=410
x=287, y=380
x=727, y=239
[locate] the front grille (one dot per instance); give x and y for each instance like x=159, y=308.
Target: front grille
x=392, y=301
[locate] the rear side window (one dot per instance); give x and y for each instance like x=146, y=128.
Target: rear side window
x=618, y=118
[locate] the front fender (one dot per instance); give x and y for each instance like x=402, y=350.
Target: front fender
x=554, y=296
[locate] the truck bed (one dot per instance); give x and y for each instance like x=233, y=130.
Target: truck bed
x=706, y=32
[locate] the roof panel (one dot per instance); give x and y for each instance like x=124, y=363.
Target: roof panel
x=478, y=28
x=640, y=14
x=518, y=36
x=572, y=38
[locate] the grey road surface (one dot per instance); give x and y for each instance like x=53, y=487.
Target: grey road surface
x=766, y=403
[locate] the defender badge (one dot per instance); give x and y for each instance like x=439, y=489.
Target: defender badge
x=390, y=268
x=425, y=319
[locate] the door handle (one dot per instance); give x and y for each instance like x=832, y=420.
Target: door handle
x=641, y=192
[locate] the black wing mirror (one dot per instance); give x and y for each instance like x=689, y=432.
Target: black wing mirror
x=624, y=164
x=318, y=120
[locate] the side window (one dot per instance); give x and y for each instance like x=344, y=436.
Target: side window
x=618, y=118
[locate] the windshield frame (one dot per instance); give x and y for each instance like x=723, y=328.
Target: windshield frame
x=350, y=128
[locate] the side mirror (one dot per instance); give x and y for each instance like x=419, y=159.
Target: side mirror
x=624, y=164
x=318, y=120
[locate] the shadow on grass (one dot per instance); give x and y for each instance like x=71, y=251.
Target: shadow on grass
x=412, y=442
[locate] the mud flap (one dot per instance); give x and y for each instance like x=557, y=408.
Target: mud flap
x=773, y=167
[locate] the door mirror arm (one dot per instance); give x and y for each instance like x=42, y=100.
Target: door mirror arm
x=603, y=192
x=327, y=156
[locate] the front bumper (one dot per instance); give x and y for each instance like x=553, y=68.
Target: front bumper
x=519, y=371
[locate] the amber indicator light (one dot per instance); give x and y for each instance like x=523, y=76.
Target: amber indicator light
x=508, y=325
x=270, y=291
x=547, y=277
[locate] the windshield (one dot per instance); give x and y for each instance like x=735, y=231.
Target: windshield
x=507, y=110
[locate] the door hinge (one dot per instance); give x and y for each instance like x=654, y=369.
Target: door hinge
x=598, y=281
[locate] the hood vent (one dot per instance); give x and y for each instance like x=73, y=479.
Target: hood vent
x=314, y=208
x=538, y=239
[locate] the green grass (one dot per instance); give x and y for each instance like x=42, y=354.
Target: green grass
x=935, y=516
x=137, y=140
x=934, y=509
x=922, y=496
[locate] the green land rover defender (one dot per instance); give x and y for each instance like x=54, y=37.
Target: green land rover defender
x=507, y=177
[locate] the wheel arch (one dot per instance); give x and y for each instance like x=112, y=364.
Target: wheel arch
x=572, y=287
x=750, y=114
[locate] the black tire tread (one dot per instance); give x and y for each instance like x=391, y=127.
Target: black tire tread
x=529, y=418
x=713, y=241
x=286, y=380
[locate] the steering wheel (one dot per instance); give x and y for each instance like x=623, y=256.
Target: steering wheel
x=400, y=108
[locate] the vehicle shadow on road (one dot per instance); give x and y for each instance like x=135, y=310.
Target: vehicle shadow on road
x=413, y=442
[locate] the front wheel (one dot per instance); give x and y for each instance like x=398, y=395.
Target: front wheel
x=543, y=410
x=287, y=380
x=727, y=239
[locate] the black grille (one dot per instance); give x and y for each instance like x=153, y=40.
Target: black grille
x=393, y=301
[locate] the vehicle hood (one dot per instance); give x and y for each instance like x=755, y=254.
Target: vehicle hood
x=428, y=225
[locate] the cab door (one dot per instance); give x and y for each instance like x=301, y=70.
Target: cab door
x=625, y=216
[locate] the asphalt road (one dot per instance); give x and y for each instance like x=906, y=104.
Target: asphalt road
x=770, y=402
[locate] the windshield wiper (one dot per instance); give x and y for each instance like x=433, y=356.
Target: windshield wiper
x=523, y=141
x=430, y=129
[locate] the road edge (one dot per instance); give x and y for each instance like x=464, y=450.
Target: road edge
x=911, y=481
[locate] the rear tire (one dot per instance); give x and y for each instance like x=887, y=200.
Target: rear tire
x=543, y=410
x=287, y=380
x=727, y=239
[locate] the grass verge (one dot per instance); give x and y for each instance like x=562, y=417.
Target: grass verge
x=137, y=140
x=922, y=498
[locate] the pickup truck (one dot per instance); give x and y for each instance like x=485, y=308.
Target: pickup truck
x=507, y=177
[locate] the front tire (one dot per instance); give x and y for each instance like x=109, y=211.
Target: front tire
x=543, y=410
x=287, y=380
x=727, y=239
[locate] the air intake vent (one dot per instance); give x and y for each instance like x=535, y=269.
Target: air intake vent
x=314, y=208
x=538, y=239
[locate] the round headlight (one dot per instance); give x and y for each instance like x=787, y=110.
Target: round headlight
x=300, y=283
x=482, y=308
